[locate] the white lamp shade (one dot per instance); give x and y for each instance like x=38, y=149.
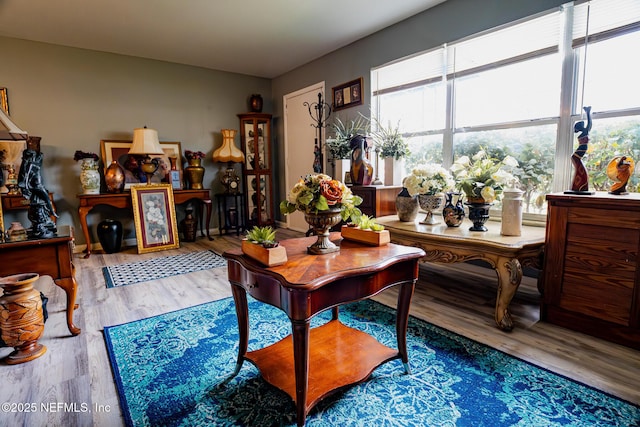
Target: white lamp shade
x=145, y=141
x=9, y=130
x=228, y=152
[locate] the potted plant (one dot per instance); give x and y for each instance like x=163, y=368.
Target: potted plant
x=338, y=146
x=393, y=149
x=260, y=244
x=366, y=230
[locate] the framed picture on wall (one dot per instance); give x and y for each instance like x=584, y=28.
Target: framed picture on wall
x=4, y=100
x=154, y=215
x=119, y=150
x=348, y=94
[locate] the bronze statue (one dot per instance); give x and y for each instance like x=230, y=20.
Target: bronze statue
x=581, y=178
x=40, y=206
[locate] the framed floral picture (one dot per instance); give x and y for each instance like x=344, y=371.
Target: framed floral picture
x=154, y=215
x=118, y=150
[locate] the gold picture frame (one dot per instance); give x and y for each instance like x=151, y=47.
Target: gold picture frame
x=2, y=236
x=4, y=100
x=118, y=150
x=154, y=215
x=348, y=94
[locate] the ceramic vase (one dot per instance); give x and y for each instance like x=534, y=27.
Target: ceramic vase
x=110, y=235
x=406, y=206
x=114, y=178
x=453, y=211
x=512, y=212
x=255, y=103
x=21, y=318
x=194, y=174
x=479, y=215
x=16, y=232
x=321, y=223
x=189, y=226
x=429, y=203
x=89, y=176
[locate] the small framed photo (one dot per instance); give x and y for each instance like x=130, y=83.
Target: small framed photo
x=119, y=150
x=154, y=215
x=348, y=94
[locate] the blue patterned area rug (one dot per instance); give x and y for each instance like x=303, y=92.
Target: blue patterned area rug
x=167, y=367
x=158, y=268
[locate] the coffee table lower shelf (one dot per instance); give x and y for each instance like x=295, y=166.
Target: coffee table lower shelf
x=339, y=356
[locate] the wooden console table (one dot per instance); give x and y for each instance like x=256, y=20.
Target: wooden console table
x=331, y=356
x=506, y=254
x=47, y=257
x=123, y=201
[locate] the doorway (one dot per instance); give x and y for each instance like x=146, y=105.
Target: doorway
x=299, y=142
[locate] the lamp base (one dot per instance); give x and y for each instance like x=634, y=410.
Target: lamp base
x=149, y=166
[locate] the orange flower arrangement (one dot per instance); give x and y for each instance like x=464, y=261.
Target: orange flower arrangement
x=319, y=192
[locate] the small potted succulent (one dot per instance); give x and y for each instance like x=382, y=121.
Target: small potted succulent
x=260, y=244
x=366, y=230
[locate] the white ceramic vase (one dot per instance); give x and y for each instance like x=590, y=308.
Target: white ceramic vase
x=89, y=176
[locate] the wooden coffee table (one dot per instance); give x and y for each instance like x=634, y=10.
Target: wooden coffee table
x=506, y=254
x=306, y=285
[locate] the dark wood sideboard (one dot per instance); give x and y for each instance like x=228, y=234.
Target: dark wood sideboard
x=377, y=200
x=591, y=278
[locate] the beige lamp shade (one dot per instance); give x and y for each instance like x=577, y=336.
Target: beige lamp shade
x=145, y=141
x=228, y=152
x=9, y=130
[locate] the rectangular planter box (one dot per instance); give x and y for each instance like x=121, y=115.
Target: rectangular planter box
x=368, y=237
x=269, y=257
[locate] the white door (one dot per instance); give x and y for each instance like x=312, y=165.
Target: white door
x=299, y=141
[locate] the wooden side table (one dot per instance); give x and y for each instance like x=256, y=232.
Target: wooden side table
x=231, y=207
x=14, y=202
x=47, y=257
x=123, y=201
x=333, y=355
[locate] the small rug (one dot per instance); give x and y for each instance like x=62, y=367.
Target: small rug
x=167, y=367
x=158, y=268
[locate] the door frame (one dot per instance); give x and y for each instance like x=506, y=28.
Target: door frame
x=320, y=86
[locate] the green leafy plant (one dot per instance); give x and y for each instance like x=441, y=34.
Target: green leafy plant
x=367, y=223
x=343, y=131
x=265, y=236
x=390, y=142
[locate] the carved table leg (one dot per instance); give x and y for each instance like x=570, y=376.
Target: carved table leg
x=402, y=321
x=70, y=287
x=207, y=221
x=83, y=211
x=301, y=362
x=509, y=278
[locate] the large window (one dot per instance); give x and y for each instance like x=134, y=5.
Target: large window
x=515, y=94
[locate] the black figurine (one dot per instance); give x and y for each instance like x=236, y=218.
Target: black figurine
x=40, y=206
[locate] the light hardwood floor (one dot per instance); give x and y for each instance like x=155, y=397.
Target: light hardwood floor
x=72, y=384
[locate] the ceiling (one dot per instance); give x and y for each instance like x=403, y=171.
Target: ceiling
x=253, y=37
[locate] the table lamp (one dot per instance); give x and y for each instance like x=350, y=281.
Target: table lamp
x=230, y=154
x=145, y=143
x=9, y=130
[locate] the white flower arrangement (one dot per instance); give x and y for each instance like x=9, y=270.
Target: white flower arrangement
x=430, y=179
x=485, y=177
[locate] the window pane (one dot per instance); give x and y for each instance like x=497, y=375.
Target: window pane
x=416, y=109
x=523, y=91
x=424, y=149
x=612, y=73
x=533, y=147
x=609, y=138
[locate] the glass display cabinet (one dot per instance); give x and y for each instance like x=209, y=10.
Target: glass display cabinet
x=255, y=139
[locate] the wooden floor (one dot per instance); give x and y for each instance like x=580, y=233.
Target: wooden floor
x=72, y=384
